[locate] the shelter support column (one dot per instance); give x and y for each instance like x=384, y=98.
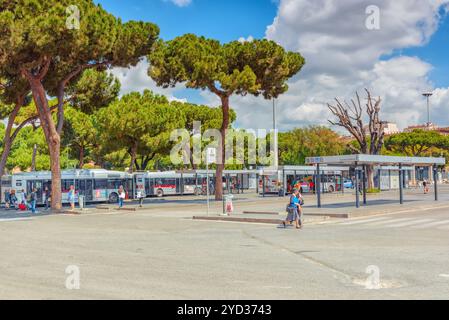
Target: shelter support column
x=284, y=182
x=364, y=184
x=318, y=186
x=357, y=187
x=435, y=179
x=401, y=185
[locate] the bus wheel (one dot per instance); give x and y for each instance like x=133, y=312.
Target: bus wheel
x=113, y=198
x=160, y=193
x=331, y=189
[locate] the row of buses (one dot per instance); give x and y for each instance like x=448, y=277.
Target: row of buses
x=100, y=185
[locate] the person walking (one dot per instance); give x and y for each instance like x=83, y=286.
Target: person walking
x=33, y=200
x=71, y=197
x=426, y=186
x=121, y=196
x=13, y=201
x=140, y=198
x=293, y=209
x=47, y=195
x=24, y=197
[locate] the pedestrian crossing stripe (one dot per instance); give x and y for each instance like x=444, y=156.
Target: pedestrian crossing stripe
x=364, y=221
x=432, y=224
x=15, y=219
x=409, y=223
x=391, y=221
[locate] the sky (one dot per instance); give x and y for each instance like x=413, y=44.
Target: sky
x=396, y=49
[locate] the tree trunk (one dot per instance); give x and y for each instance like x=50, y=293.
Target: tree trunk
x=133, y=157
x=81, y=157
x=222, y=151
x=8, y=139
x=52, y=137
x=6, y=150
x=33, y=159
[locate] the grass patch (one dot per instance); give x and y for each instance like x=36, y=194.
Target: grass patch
x=373, y=191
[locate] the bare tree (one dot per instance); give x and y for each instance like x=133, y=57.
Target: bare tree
x=370, y=137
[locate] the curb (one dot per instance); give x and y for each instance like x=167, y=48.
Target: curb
x=262, y=212
x=256, y=220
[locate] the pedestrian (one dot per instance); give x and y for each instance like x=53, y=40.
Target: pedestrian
x=33, y=199
x=7, y=198
x=71, y=197
x=140, y=198
x=294, y=210
x=121, y=196
x=24, y=197
x=47, y=195
x=426, y=187
x=13, y=200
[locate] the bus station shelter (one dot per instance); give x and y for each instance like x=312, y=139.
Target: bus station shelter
x=360, y=162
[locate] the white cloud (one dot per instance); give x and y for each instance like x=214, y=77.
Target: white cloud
x=137, y=79
x=344, y=56
x=180, y=3
x=249, y=39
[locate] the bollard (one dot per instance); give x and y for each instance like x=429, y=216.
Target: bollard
x=81, y=202
x=228, y=205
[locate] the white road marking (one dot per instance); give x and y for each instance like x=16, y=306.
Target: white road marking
x=364, y=221
x=410, y=223
x=391, y=221
x=15, y=219
x=431, y=225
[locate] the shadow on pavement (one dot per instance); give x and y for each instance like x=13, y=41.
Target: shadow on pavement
x=12, y=214
x=369, y=203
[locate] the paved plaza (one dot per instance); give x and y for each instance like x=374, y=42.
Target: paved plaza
x=160, y=252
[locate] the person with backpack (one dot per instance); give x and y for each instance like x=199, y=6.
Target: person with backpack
x=71, y=197
x=121, y=196
x=140, y=198
x=33, y=200
x=24, y=197
x=294, y=210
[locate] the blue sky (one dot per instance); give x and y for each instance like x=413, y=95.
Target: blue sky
x=436, y=52
x=225, y=20
x=394, y=62
x=228, y=20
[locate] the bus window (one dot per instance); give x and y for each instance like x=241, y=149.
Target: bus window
x=100, y=184
x=67, y=183
x=7, y=182
x=115, y=184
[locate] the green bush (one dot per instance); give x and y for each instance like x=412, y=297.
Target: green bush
x=373, y=191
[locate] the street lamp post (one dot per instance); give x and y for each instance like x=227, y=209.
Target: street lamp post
x=275, y=137
x=428, y=95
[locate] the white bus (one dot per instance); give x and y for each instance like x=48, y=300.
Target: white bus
x=160, y=184
x=302, y=178
x=96, y=185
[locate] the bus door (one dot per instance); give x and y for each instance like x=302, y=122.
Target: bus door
x=86, y=189
x=38, y=184
x=149, y=187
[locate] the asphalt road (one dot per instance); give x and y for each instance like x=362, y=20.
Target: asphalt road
x=164, y=255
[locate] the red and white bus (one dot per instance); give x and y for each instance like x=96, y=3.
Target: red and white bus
x=160, y=184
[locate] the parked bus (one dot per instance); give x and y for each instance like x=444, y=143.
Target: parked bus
x=160, y=184
x=300, y=177
x=95, y=185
